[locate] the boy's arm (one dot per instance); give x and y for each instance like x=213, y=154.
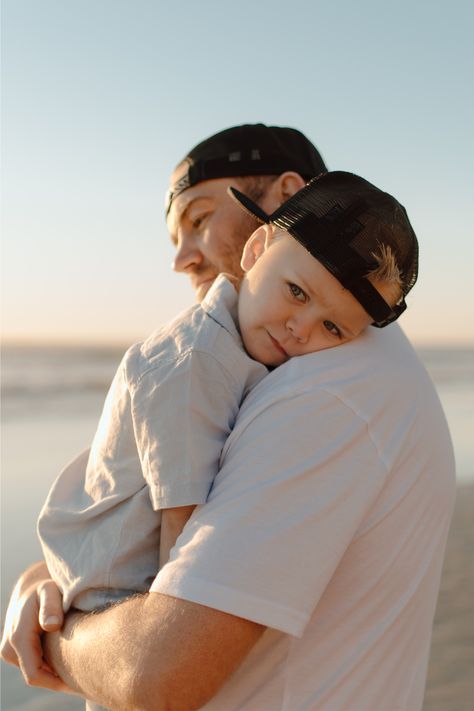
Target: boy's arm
x=172, y=523
x=36, y=606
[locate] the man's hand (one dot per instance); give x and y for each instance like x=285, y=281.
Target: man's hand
x=35, y=607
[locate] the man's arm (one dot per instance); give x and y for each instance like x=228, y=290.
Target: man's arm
x=151, y=652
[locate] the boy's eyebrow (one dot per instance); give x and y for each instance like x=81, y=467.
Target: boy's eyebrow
x=320, y=296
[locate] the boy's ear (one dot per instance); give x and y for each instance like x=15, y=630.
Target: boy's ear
x=254, y=248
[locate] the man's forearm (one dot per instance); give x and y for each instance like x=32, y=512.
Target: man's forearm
x=150, y=653
x=94, y=654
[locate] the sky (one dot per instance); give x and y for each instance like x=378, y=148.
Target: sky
x=101, y=99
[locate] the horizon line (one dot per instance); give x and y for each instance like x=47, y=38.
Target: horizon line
x=466, y=344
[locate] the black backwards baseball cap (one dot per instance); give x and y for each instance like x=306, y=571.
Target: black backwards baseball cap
x=344, y=221
x=251, y=149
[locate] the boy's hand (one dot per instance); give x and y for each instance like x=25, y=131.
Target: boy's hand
x=35, y=606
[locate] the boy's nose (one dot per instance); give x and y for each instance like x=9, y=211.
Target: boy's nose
x=300, y=328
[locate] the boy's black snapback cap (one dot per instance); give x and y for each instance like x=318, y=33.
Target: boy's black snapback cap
x=250, y=149
x=344, y=221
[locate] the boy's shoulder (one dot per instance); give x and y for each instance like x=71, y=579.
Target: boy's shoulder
x=170, y=342
x=207, y=330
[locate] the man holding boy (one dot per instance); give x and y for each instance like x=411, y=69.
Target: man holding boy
x=309, y=578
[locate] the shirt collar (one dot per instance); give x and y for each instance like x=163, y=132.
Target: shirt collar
x=220, y=303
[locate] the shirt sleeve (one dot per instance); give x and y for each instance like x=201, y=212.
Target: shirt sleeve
x=296, y=481
x=182, y=414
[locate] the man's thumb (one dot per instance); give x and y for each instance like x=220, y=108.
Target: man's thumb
x=51, y=614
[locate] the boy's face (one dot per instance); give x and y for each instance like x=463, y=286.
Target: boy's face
x=289, y=304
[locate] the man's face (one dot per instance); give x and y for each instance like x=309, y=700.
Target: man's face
x=209, y=231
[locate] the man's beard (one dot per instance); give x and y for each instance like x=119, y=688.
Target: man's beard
x=241, y=234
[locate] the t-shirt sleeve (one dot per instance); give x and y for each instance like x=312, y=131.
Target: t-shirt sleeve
x=182, y=414
x=296, y=481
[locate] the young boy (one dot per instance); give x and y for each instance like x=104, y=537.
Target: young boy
x=338, y=255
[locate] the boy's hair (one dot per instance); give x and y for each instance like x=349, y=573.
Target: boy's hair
x=387, y=272
x=358, y=232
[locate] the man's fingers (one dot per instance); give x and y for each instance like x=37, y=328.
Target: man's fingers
x=7, y=653
x=44, y=679
x=34, y=594
x=7, y=650
x=37, y=672
x=51, y=614
x=30, y=655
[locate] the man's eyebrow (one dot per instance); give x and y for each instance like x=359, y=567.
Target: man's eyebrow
x=183, y=212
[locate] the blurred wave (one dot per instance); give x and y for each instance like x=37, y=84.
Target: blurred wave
x=46, y=382
x=35, y=372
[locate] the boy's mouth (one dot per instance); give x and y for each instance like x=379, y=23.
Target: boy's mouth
x=278, y=347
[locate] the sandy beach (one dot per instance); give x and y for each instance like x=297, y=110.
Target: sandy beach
x=450, y=685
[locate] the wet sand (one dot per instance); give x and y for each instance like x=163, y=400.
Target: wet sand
x=450, y=685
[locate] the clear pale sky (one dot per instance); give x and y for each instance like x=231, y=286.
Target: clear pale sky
x=101, y=98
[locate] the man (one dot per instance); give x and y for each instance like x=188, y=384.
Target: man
x=309, y=578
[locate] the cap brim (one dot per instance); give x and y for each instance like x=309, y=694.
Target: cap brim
x=249, y=205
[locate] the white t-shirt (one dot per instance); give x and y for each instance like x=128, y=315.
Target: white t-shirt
x=327, y=523
x=168, y=413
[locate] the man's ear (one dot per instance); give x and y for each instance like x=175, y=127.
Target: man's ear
x=254, y=247
x=286, y=185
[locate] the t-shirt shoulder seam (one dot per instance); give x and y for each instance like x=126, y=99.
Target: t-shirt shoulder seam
x=359, y=415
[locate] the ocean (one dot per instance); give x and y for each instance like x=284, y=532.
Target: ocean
x=51, y=401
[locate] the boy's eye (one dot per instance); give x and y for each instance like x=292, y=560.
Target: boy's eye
x=332, y=328
x=297, y=292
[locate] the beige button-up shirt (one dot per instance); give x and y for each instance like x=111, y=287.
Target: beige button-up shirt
x=170, y=408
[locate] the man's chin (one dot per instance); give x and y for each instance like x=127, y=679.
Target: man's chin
x=201, y=290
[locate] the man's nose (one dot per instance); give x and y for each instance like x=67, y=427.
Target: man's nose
x=187, y=255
